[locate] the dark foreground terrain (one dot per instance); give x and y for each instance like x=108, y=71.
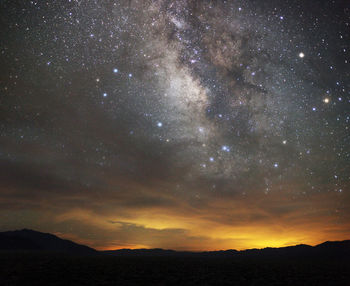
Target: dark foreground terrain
x=30, y=257
x=28, y=268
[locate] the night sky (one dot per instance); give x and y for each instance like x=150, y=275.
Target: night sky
x=193, y=125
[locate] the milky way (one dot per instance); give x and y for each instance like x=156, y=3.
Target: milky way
x=178, y=124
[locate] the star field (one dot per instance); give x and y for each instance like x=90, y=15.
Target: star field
x=176, y=124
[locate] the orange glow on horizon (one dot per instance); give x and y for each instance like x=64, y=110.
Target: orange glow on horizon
x=118, y=247
x=223, y=224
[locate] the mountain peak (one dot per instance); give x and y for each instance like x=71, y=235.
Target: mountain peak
x=28, y=239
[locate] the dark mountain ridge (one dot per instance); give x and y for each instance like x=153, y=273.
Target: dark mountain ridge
x=27, y=239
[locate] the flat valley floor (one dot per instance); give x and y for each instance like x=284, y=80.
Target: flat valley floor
x=57, y=269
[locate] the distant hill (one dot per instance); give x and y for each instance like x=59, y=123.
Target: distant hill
x=143, y=252
x=27, y=239
x=326, y=249
x=334, y=248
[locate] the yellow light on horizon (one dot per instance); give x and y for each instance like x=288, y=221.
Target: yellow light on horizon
x=326, y=100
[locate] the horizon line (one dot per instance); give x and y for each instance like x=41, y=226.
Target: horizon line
x=175, y=250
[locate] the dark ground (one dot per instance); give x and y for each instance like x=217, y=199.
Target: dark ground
x=26, y=268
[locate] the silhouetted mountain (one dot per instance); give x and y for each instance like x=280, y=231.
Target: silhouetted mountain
x=289, y=251
x=27, y=239
x=144, y=252
x=333, y=248
x=344, y=245
x=167, y=252
x=33, y=240
x=338, y=249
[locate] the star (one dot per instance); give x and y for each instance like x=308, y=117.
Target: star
x=225, y=148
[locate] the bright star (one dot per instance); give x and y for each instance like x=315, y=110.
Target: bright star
x=225, y=148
